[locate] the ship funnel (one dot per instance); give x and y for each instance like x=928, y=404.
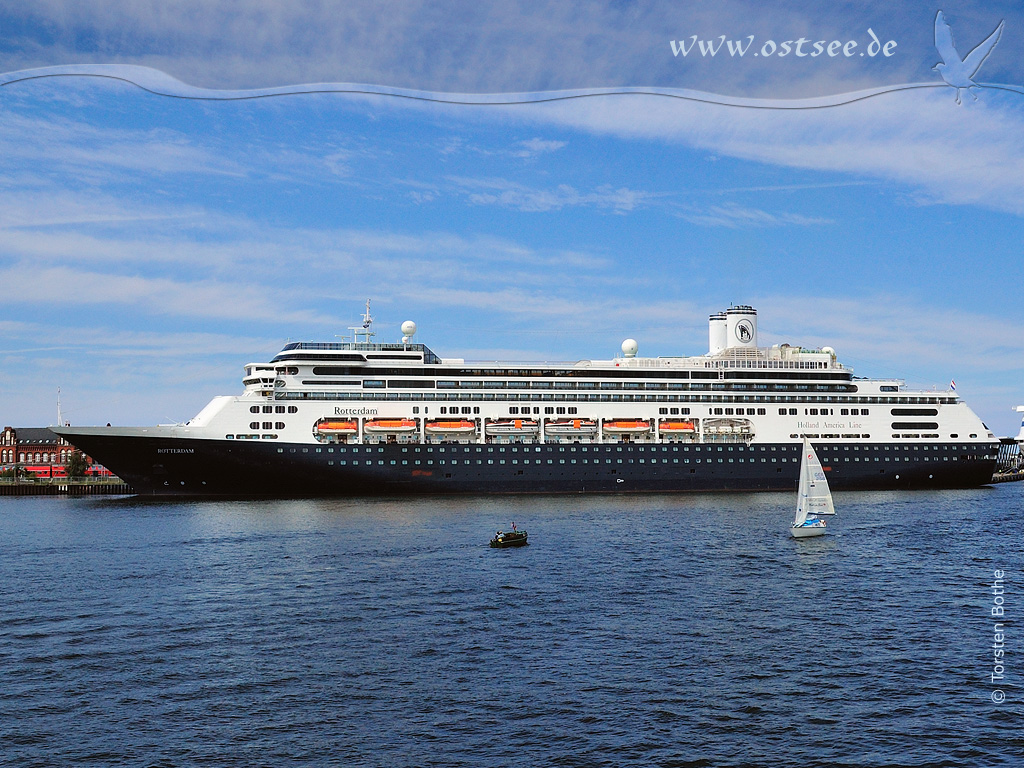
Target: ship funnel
x=741, y=327
x=717, y=333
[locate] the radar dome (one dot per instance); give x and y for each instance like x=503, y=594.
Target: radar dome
x=829, y=351
x=408, y=328
x=629, y=347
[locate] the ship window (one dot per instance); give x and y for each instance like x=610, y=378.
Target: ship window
x=293, y=409
x=560, y=410
x=761, y=411
x=254, y=425
x=549, y=410
x=268, y=409
x=373, y=383
x=278, y=425
x=254, y=409
x=572, y=410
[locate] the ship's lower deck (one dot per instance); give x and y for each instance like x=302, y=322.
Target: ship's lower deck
x=193, y=466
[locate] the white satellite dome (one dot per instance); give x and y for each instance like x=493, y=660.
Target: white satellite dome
x=629, y=347
x=408, y=329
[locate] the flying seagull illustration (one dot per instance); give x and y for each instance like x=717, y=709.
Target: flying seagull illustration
x=955, y=71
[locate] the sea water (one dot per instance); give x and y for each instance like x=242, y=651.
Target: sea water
x=684, y=630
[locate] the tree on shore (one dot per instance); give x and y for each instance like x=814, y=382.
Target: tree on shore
x=76, y=465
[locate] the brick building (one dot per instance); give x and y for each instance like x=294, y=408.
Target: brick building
x=34, y=445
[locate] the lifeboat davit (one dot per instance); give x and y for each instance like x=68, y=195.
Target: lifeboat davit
x=337, y=427
x=571, y=427
x=389, y=425
x=512, y=427
x=677, y=426
x=627, y=427
x=454, y=427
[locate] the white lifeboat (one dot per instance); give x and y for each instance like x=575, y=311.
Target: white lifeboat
x=571, y=427
x=512, y=427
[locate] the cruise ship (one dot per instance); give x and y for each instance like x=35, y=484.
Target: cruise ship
x=357, y=417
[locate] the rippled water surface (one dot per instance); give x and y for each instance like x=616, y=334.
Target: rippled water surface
x=633, y=631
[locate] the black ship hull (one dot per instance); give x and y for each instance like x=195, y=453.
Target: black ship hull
x=165, y=466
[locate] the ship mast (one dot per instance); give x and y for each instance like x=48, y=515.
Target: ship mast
x=364, y=330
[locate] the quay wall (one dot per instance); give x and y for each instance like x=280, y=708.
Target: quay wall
x=65, y=489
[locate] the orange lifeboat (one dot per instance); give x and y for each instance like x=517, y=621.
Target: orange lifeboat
x=627, y=427
x=677, y=426
x=337, y=427
x=451, y=427
x=389, y=425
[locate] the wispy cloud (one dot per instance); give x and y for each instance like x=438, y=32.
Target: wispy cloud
x=736, y=217
x=947, y=154
x=532, y=148
x=511, y=194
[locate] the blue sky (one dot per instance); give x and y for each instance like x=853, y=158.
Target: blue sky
x=151, y=246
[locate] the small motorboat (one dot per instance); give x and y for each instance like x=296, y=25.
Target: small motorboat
x=511, y=538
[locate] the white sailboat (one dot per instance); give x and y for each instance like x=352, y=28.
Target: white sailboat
x=813, y=496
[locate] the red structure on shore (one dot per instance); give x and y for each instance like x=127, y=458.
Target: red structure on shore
x=41, y=452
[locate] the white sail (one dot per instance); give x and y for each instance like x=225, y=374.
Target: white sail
x=801, y=494
x=813, y=497
x=819, y=497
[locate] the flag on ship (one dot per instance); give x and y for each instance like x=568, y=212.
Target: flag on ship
x=952, y=385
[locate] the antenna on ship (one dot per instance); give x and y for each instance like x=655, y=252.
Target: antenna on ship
x=60, y=416
x=363, y=331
